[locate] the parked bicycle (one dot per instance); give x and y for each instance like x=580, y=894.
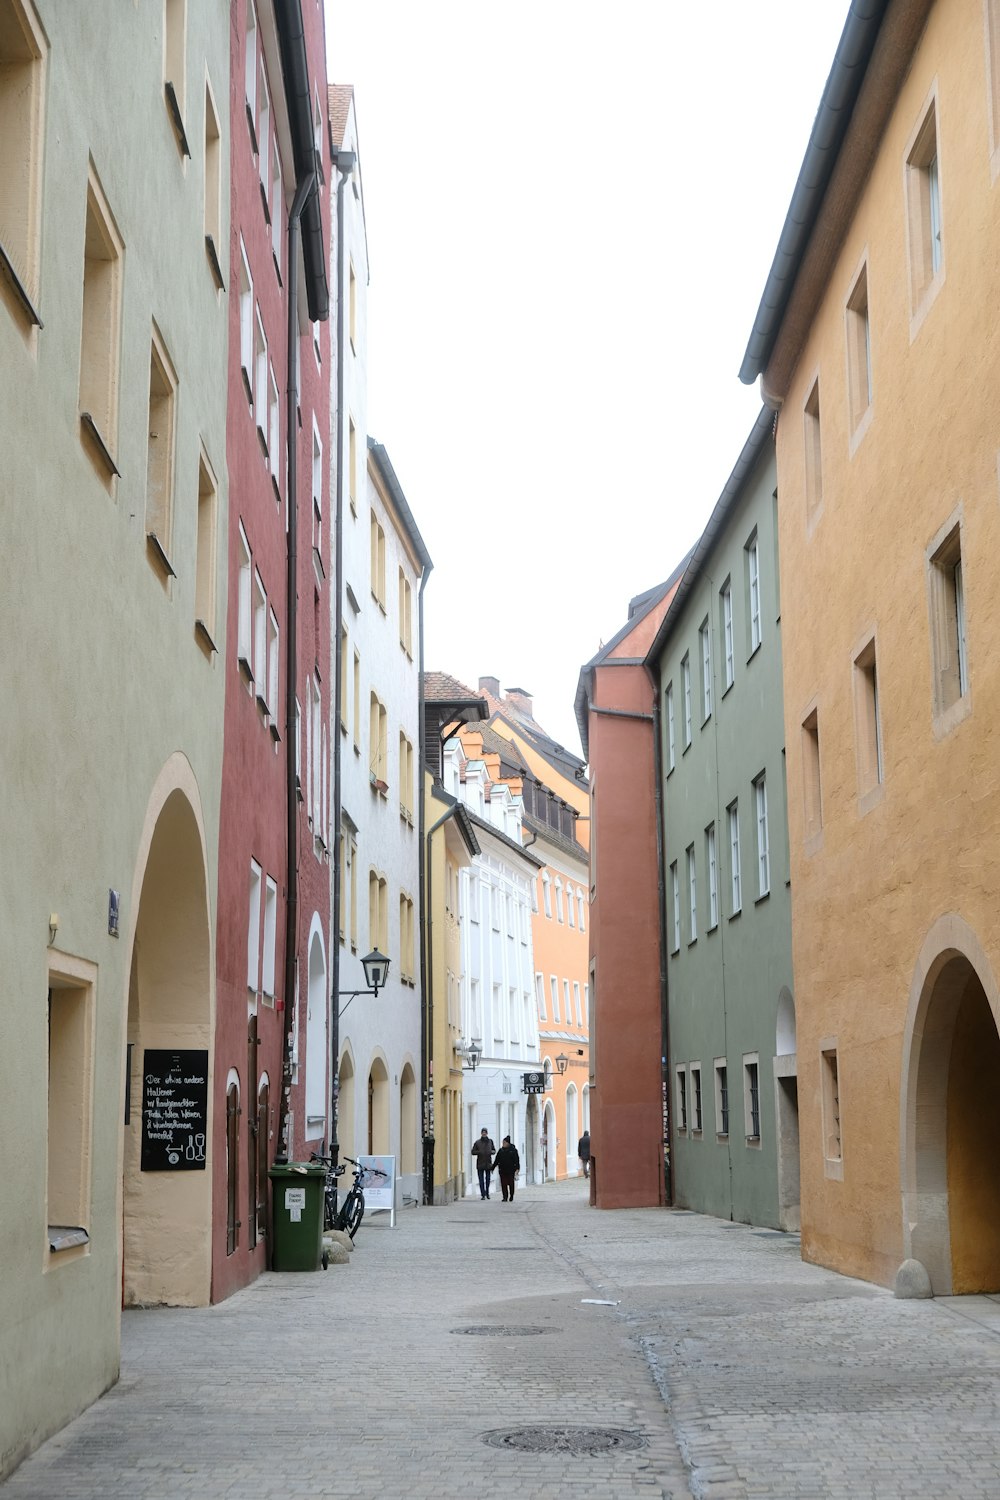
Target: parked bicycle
x=349, y=1214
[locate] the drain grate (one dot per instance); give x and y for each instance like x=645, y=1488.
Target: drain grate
x=500, y=1330
x=576, y=1441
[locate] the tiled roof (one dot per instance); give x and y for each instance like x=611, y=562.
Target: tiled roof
x=440, y=687
x=506, y=749
x=557, y=839
x=505, y=838
x=341, y=95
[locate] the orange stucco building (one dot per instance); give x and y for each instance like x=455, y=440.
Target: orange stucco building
x=876, y=341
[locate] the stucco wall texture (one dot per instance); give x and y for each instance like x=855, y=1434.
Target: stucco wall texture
x=865, y=899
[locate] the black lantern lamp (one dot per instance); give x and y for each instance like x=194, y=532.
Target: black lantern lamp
x=562, y=1063
x=376, y=971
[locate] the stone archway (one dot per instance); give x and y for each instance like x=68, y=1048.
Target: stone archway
x=950, y=1114
x=378, y=1110
x=346, y=1126
x=572, y=1131
x=167, y=1213
x=317, y=1003
x=786, y=1103
x=408, y=1121
x=550, y=1142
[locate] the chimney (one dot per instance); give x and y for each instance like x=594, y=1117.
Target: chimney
x=521, y=699
x=490, y=685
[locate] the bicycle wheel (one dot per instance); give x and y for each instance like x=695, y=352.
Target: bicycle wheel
x=354, y=1212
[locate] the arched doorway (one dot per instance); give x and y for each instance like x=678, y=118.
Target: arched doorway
x=786, y=1099
x=408, y=1121
x=378, y=1110
x=950, y=1103
x=531, y=1166
x=316, y=1034
x=167, y=1204
x=572, y=1131
x=550, y=1142
x=346, y=1128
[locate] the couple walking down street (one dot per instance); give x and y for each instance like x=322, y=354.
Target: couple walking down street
x=506, y=1162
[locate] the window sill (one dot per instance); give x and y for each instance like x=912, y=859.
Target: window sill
x=734, y=916
x=253, y=129
x=214, y=263
x=274, y=731
x=318, y=568
x=158, y=554
x=204, y=637
x=277, y=269
x=713, y=928
x=692, y=941
x=754, y=652
x=66, y=1237
x=870, y=799
x=246, y=671
x=98, y=445
x=247, y=384
x=947, y=719
x=674, y=952
x=276, y=489
x=687, y=747
x=833, y=1168
x=19, y=290
x=262, y=705
x=722, y=1137
x=761, y=899
x=266, y=206
x=176, y=119
x=262, y=439
x=729, y=687
x=753, y=1141
x=706, y=718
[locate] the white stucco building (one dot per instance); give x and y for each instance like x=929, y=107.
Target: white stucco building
x=496, y=990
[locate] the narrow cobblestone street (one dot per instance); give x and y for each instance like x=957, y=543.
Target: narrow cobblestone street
x=743, y=1372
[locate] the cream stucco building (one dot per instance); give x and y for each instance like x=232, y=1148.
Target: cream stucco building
x=876, y=342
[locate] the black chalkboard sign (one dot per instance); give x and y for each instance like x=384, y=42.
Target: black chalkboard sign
x=174, y=1111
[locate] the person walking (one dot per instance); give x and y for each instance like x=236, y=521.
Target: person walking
x=483, y=1151
x=508, y=1164
x=583, y=1152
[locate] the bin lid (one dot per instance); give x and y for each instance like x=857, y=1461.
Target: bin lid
x=297, y=1169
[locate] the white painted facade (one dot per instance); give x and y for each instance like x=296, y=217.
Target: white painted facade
x=495, y=990
x=379, y=1086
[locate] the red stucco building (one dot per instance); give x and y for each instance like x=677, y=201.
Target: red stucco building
x=274, y=844
x=615, y=710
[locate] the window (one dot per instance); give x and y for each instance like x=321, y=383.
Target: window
x=577, y=1006
x=813, y=454
x=682, y=1101
x=253, y=929
x=277, y=207
x=273, y=664
x=405, y=614
x=711, y=864
x=352, y=306
x=686, y=684
x=570, y=906
x=993, y=79
x=721, y=1099
x=174, y=40
x=357, y=702
x=377, y=744
x=675, y=908
x=559, y=900
x=832, y=1149
x=260, y=378
x=244, y=633
x=317, y=493
x=696, y=1098
x=273, y=427
x=751, y=1099
x=729, y=663
x=213, y=190
x=101, y=332
x=259, y=662
x=405, y=938
x=859, y=352
x=671, y=730
x=547, y=893
x=378, y=911
x=923, y=210
x=735, y=874
x=378, y=561
x=270, y=931
x=23, y=52
x=554, y=996
x=204, y=589
x=752, y=555
x=868, y=729
x=763, y=850
x=812, y=799
x=405, y=778
x=70, y=1105
x=581, y=903
x=692, y=880
x=246, y=322
x=352, y=465
x=540, y=996
x=250, y=70
x=263, y=133
x=160, y=437
x=567, y=1008
x=705, y=642
x=949, y=653
x=318, y=748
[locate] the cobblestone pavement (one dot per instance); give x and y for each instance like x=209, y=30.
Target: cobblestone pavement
x=744, y=1372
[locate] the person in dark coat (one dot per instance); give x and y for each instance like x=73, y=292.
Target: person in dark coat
x=508, y=1164
x=483, y=1152
x=583, y=1152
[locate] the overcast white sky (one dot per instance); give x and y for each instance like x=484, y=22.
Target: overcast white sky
x=572, y=209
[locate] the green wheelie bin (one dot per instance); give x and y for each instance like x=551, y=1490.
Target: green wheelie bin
x=297, y=1215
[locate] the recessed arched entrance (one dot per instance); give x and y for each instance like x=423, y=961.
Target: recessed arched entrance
x=786, y=1098
x=408, y=1121
x=345, y=1106
x=167, y=1196
x=550, y=1142
x=316, y=1035
x=531, y=1167
x=950, y=1103
x=572, y=1131
x=378, y=1109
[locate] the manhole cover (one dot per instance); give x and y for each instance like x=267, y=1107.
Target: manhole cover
x=572, y=1440
x=499, y=1331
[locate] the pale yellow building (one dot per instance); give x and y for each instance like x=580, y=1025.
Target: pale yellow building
x=877, y=343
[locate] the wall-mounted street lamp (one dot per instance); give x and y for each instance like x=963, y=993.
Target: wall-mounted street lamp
x=471, y=1055
x=562, y=1063
x=376, y=971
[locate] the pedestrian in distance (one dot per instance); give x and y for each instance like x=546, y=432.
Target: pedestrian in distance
x=483, y=1151
x=508, y=1164
x=583, y=1152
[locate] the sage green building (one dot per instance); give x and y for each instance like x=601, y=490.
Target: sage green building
x=113, y=392
x=727, y=921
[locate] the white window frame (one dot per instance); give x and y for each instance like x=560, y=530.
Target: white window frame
x=729, y=651
x=763, y=841
x=706, y=669
x=753, y=591
x=270, y=931
x=675, y=907
x=686, y=689
x=735, y=859
x=671, y=730
x=253, y=930
x=711, y=861
x=692, y=881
